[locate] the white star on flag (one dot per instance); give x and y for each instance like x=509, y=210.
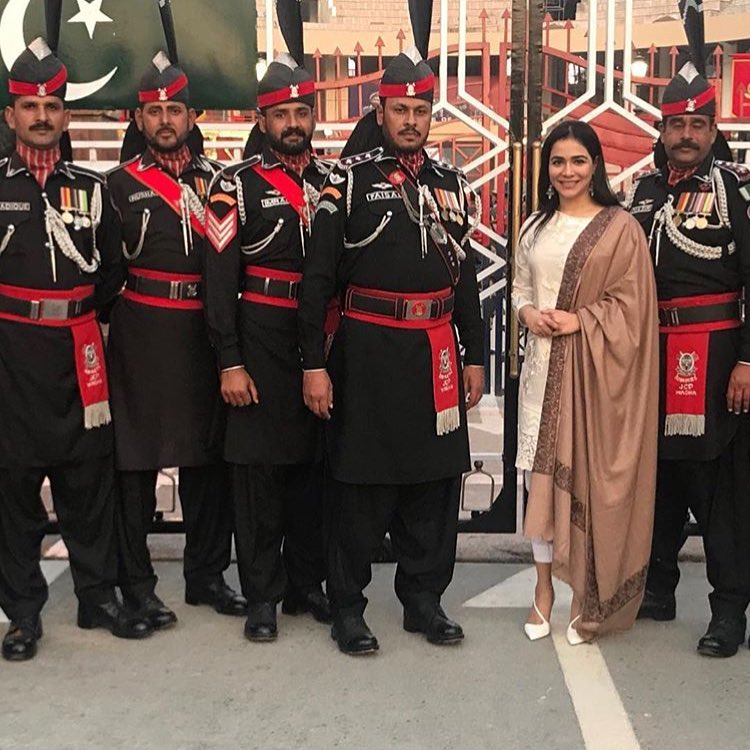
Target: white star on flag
x=90, y=14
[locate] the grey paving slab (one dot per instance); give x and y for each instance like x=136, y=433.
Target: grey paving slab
x=201, y=686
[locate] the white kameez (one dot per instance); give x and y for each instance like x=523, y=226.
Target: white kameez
x=540, y=262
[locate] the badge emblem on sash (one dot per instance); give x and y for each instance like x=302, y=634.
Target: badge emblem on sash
x=445, y=361
x=90, y=359
x=686, y=364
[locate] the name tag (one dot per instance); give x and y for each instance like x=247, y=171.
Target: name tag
x=643, y=208
x=140, y=196
x=273, y=202
x=383, y=195
x=14, y=206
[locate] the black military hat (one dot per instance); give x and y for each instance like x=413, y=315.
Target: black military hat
x=408, y=75
x=285, y=81
x=689, y=93
x=37, y=72
x=163, y=82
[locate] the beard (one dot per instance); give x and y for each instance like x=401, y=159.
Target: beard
x=290, y=149
x=408, y=149
x=153, y=143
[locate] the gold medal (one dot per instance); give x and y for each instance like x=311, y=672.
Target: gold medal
x=701, y=222
x=690, y=223
x=67, y=217
x=677, y=220
x=86, y=222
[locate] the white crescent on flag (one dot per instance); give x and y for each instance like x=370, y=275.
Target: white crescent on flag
x=13, y=43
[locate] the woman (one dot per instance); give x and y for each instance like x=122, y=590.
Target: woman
x=584, y=289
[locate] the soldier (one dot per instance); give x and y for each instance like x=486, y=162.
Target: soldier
x=258, y=221
x=695, y=212
x=391, y=238
x=163, y=375
x=59, y=264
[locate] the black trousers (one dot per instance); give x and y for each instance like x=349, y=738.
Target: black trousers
x=207, y=513
x=718, y=494
x=423, y=523
x=278, y=529
x=84, y=500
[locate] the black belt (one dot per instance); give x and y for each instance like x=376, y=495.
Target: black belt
x=46, y=309
x=399, y=308
x=272, y=287
x=682, y=316
x=177, y=290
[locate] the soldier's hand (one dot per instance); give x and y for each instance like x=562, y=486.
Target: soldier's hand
x=317, y=391
x=473, y=384
x=738, y=391
x=238, y=388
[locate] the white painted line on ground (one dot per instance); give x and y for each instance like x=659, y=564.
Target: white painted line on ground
x=52, y=570
x=599, y=709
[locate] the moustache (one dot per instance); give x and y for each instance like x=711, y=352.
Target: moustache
x=41, y=126
x=409, y=131
x=688, y=144
x=165, y=131
x=293, y=131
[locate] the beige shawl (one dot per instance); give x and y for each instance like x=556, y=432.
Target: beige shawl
x=593, y=484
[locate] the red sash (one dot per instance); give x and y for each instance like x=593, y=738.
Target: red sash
x=686, y=365
x=291, y=190
x=166, y=188
x=443, y=354
x=88, y=348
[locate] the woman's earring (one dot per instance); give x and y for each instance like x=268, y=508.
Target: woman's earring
x=550, y=192
x=591, y=188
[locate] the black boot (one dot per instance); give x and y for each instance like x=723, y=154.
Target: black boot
x=315, y=602
x=224, y=599
x=723, y=637
x=115, y=617
x=662, y=607
x=151, y=608
x=261, y=622
x=353, y=636
x=20, y=641
x=434, y=623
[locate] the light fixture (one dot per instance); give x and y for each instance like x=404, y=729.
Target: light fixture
x=639, y=67
x=260, y=68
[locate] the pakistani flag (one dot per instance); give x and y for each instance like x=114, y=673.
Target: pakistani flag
x=107, y=44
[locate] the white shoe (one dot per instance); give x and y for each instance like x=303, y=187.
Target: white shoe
x=573, y=636
x=536, y=631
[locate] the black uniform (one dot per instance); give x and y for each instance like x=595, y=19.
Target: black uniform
x=698, y=254
x=274, y=446
x=42, y=431
x=392, y=470
x=165, y=387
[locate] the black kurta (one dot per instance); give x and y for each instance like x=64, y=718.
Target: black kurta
x=41, y=414
x=382, y=427
x=263, y=338
x=165, y=388
x=679, y=274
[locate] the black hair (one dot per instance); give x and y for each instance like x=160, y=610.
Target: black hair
x=584, y=134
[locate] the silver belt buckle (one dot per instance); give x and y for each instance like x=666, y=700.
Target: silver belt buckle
x=293, y=289
x=191, y=290
x=52, y=309
x=417, y=309
x=674, y=316
x=174, y=289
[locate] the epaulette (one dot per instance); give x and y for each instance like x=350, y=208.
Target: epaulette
x=446, y=165
x=124, y=164
x=740, y=171
x=209, y=165
x=233, y=170
x=651, y=173
x=356, y=159
x=98, y=176
x=324, y=166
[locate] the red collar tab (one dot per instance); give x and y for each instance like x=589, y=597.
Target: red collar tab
x=407, y=89
x=44, y=88
x=163, y=94
x=285, y=94
x=689, y=106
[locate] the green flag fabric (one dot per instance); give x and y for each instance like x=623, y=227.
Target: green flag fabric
x=106, y=45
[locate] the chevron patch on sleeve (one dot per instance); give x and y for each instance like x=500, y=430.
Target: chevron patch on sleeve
x=221, y=232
